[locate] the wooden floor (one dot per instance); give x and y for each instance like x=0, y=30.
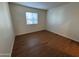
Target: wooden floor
x=44, y=44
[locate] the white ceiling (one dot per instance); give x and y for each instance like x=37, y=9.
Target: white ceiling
x=42, y=5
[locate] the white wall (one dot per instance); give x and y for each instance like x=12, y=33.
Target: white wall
x=19, y=19
x=64, y=20
x=6, y=31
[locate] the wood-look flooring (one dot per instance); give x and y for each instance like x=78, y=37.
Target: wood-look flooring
x=44, y=44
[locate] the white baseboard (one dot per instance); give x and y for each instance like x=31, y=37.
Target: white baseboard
x=5, y=55
x=29, y=32
x=72, y=38
x=60, y=34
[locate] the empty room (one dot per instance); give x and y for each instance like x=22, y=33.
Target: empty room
x=39, y=29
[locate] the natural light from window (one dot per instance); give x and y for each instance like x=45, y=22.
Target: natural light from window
x=31, y=18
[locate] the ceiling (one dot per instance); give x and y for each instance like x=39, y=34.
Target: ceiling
x=42, y=5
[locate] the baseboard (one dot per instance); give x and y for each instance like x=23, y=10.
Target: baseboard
x=30, y=32
x=63, y=36
x=5, y=55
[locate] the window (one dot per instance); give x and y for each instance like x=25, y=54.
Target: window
x=31, y=18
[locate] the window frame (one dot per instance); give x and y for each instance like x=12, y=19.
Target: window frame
x=32, y=23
